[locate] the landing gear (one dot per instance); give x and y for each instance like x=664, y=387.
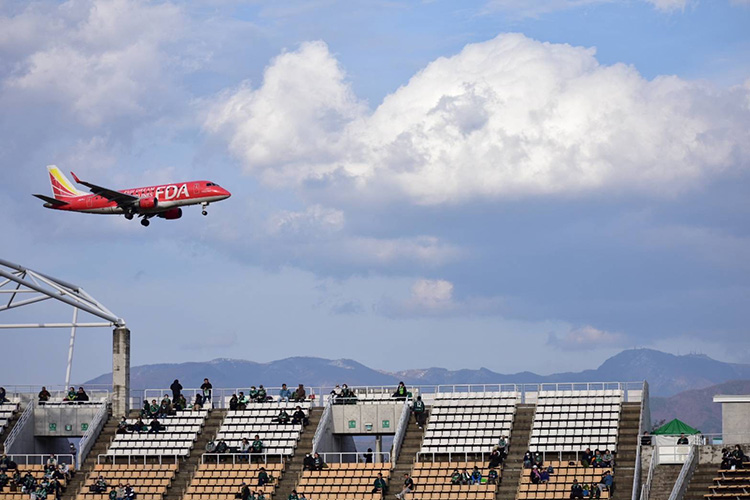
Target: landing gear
x=204, y=205
x=145, y=222
x=129, y=216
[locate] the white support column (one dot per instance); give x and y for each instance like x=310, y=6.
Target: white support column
x=120, y=371
x=70, y=348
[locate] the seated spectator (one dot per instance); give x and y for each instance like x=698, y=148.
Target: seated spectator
x=607, y=483
x=155, y=426
x=263, y=477
x=29, y=483
x=418, y=409
x=221, y=447
x=598, y=461
x=4, y=479
x=206, y=389
x=71, y=395
x=245, y=447
x=379, y=485
x=139, y=426
x=99, y=486
x=550, y=469
x=299, y=417
x=128, y=492
x=261, y=394
x=299, y=394
x=682, y=439
x=318, y=463
x=737, y=457
x=153, y=409
x=257, y=445
x=495, y=458
x=408, y=486
x=120, y=491
x=233, y=402
x=528, y=460
x=646, y=439
x=308, y=463
x=4, y=462
x=576, y=491
x=538, y=459
x=400, y=393
x=282, y=418
x=44, y=396
x=534, y=475
x=285, y=394
x=455, y=477
x=52, y=461
x=243, y=401
x=493, y=477
x=293, y=495
x=347, y=395
x=113, y=494
x=252, y=393
x=608, y=460
x=544, y=476
x=587, y=457
x=181, y=403
x=476, y=476
x=465, y=477
x=198, y=403
x=586, y=490
x=165, y=408
x=81, y=395
x=262, y=496
x=122, y=426
x=244, y=493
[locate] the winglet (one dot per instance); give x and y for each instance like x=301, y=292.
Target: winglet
x=75, y=177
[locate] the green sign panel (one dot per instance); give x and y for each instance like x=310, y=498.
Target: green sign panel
x=84, y=427
x=386, y=424
x=68, y=427
x=52, y=427
x=352, y=424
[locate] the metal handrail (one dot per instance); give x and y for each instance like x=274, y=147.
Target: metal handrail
x=89, y=437
x=637, y=470
x=27, y=412
x=242, y=456
x=132, y=458
x=683, y=480
x=403, y=424
x=322, y=425
x=358, y=456
x=451, y=454
x=62, y=458
x=646, y=488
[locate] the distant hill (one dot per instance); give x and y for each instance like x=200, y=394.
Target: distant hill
x=696, y=407
x=667, y=374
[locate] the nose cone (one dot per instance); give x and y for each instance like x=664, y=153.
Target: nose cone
x=226, y=194
x=220, y=192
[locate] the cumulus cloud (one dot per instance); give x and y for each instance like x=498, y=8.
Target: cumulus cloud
x=507, y=118
x=585, y=338
x=315, y=221
x=535, y=8
x=669, y=5
x=434, y=297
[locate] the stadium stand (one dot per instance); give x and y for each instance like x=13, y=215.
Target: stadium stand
x=37, y=470
x=731, y=484
x=149, y=481
x=570, y=421
x=177, y=438
x=347, y=481
x=7, y=410
x=560, y=482
x=222, y=481
x=258, y=418
x=433, y=480
x=468, y=422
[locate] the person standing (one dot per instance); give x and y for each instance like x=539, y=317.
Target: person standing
x=176, y=390
x=206, y=387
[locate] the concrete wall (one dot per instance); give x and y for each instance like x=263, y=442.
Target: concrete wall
x=735, y=423
x=366, y=418
x=62, y=420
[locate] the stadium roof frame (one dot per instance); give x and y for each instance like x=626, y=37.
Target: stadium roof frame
x=17, y=280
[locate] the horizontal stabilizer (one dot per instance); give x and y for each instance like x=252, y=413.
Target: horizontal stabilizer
x=51, y=201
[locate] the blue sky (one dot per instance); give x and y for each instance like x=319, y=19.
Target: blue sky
x=519, y=185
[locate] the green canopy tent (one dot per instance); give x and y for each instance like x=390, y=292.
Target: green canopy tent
x=675, y=428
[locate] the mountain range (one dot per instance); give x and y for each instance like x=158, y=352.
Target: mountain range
x=680, y=385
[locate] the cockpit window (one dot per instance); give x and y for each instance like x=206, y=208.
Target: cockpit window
x=208, y=184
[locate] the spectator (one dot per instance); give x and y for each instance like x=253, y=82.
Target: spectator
x=299, y=394
x=682, y=439
x=492, y=477
x=44, y=396
x=221, y=447
x=308, y=463
x=165, y=408
x=598, y=459
x=139, y=426
x=206, y=387
x=538, y=459
x=607, y=483
x=233, y=402
x=122, y=426
x=263, y=477
x=176, y=388
x=455, y=477
x=495, y=458
x=408, y=486
x=245, y=448
x=3, y=394
x=419, y=412
x=128, y=492
x=4, y=479
x=503, y=445
x=285, y=394
x=257, y=445
x=608, y=460
x=318, y=463
x=465, y=477
x=586, y=490
x=70, y=397
x=252, y=393
x=534, y=475
x=646, y=439
x=544, y=475
x=81, y=395
x=243, y=401
x=528, y=460
x=379, y=485
x=198, y=403
x=476, y=476
x=153, y=409
x=737, y=457
x=52, y=461
x=261, y=394
x=113, y=493
x=400, y=393
x=347, y=395
x=283, y=417
x=244, y=492
x=299, y=417
x=367, y=456
x=72, y=450
x=120, y=491
x=587, y=457
x=155, y=426
x=99, y=486
x=181, y=403
x=293, y=495
x=576, y=491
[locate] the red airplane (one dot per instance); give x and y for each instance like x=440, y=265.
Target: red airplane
x=155, y=201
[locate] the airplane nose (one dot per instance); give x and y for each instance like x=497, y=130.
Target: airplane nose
x=225, y=193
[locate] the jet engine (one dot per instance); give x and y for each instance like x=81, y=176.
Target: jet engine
x=171, y=214
x=148, y=203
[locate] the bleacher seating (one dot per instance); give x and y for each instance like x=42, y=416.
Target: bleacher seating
x=258, y=418
x=181, y=431
x=6, y=413
x=223, y=481
x=433, y=480
x=733, y=484
x=37, y=471
x=150, y=482
x=347, y=481
x=468, y=422
x=571, y=421
x=560, y=482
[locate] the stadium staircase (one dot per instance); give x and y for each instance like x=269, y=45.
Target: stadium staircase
x=409, y=448
x=627, y=445
x=12, y=421
x=188, y=467
x=702, y=479
x=519, y=444
x=663, y=482
x=293, y=471
x=103, y=441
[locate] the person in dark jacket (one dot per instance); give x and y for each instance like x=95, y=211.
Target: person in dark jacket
x=318, y=463
x=176, y=388
x=244, y=492
x=308, y=463
x=379, y=485
x=576, y=491
x=408, y=486
x=400, y=393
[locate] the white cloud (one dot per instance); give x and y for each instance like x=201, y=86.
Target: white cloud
x=506, y=118
x=669, y=5
x=314, y=222
x=536, y=8
x=434, y=297
x=585, y=338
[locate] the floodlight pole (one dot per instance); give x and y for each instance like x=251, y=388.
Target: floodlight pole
x=70, y=349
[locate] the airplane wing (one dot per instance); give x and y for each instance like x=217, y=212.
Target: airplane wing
x=123, y=200
x=51, y=201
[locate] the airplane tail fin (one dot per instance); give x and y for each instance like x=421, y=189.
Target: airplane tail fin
x=62, y=188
